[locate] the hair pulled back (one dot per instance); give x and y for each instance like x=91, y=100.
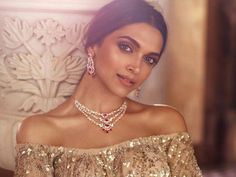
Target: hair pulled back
x=120, y=13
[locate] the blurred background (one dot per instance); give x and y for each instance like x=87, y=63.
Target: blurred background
x=197, y=75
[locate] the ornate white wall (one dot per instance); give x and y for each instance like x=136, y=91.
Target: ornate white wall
x=41, y=59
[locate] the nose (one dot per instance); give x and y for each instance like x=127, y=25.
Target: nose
x=133, y=67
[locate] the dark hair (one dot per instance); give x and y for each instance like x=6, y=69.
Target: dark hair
x=119, y=13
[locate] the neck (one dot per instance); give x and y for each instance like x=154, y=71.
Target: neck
x=92, y=93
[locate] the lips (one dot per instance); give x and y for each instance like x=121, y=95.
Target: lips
x=125, y=80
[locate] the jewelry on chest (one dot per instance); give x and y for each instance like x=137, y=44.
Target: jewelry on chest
x=106, y=121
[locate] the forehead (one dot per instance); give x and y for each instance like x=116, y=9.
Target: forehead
x=146, y=35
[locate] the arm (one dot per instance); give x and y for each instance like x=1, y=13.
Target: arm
x=33, y=161
x=181, y=157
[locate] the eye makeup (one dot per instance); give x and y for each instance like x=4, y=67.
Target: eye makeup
x=129, y=45
x=131, y=40
x=151, y=60
x=125, y=46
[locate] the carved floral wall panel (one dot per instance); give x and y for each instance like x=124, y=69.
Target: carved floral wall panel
x=41, y=60
x=44, y=77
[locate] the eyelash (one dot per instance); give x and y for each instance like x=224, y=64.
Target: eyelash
x=149, y=59
x=124, y=46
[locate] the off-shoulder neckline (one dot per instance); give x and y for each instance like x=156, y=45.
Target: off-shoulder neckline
x=98, y=149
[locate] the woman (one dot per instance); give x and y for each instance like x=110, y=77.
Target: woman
x=99, y=131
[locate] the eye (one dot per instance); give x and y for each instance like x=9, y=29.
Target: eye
x=125, y=47
x=150, y=60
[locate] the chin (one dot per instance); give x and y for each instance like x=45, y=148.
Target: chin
x=120, y=90
x=122, y=93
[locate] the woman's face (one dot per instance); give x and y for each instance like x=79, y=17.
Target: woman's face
x=125, y=58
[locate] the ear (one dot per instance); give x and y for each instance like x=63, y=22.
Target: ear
x=92, y=50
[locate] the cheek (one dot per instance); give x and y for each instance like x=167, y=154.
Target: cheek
x=108, y=60
x=146, y=71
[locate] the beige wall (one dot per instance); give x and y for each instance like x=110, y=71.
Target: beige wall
x=186, y=64
x=179, y=78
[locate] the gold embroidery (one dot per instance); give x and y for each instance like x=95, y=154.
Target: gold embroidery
x=154, y=156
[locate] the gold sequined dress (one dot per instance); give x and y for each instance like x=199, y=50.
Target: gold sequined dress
x=169, y=155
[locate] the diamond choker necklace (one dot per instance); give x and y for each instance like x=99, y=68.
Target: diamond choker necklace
x=106, y=121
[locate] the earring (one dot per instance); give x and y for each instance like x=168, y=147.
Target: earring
x=137, y=92
x=90, y=65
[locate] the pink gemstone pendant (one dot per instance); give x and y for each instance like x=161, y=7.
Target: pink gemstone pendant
x=104, y=115
x=106, y=130
x=107, y=127
x=106, y=122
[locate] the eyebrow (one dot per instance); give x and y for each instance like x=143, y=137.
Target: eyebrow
x=138, y=45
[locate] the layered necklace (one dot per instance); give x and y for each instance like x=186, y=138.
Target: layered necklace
x=105, y=121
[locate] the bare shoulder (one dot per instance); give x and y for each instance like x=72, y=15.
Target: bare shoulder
x=37, y=129
x=159, y=118
x=166, y=119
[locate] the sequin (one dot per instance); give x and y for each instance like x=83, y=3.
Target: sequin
x=47, y=167
x=153, y=156
x=73, y=159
